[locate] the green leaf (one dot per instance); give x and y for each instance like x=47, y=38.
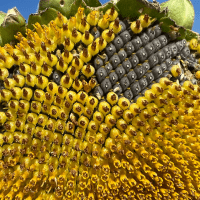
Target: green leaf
x=181, y=11
x=182, y=32
x=13, y=22
x=166, y=23
x=44, y=17
x=75, y=6
x=169, y=24
x=93, y=3
x=1, y=42
x=107, y=6
x=134, y=8
x=190, y=34
x=2, y=16
x=69, y=7
x=63, y=6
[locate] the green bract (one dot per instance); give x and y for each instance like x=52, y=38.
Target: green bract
x=66, y=7
x=43, y=17
x=62, y=6
x=2, y=15
x=135, y=8
x=12, y=23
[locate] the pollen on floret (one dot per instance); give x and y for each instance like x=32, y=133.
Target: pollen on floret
x=197, y=75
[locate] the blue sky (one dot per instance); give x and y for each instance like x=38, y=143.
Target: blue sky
x=26, y=7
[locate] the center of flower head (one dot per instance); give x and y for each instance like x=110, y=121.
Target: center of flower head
x=87, y=99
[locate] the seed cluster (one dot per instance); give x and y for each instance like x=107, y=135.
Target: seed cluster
x=139, y=55
x=59, y=141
